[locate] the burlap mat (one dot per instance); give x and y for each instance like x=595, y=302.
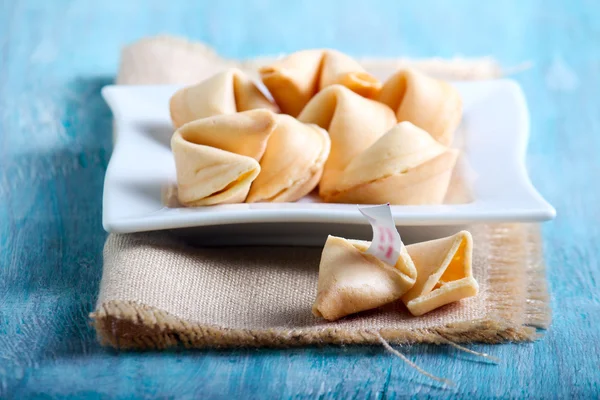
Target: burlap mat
x=157, y=291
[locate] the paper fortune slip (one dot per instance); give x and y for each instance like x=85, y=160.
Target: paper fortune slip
x=386, y=243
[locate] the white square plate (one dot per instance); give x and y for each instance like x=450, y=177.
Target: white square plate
x=141, y=173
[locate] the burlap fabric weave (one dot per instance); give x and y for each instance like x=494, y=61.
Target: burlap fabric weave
x=157, y=291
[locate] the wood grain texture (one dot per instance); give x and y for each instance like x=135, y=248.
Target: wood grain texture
x=55, y=143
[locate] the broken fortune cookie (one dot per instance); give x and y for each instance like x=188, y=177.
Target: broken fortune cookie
x=351, y=280
x=227, y=92
x=444, y=273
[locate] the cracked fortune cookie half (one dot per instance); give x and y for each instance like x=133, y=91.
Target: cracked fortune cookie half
x=354, y=123
x=227, y=92
x=295, y=79
x=444, y=273
x=406, y=166
x=291, y=154
x=351, y=280
x=429, y=103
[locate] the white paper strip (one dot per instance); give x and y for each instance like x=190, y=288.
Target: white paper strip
x=386, y=243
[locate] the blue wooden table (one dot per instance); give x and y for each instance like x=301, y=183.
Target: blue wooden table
x=55, y=142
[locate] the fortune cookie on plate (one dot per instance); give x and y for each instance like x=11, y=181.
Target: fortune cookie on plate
x=405, y=166
x=227, y=92
x=207, y=175
x=351, y=280
x=292, y=163
x=354, y=123
x=291, y=154
x=429, y=103
x=444, y=273
x=295, y=79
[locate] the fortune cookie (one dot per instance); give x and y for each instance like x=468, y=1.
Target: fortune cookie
x=291, y=154
x=430, y=104
x=444, y=273
x=292, y=163
x=227, y=92
x=405, y=166
x=295, y=79
x=207, y=175
x=351, y=280
x=354, y=123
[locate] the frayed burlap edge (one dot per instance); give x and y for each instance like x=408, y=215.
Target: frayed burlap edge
x=129, y=325
x=519, y=305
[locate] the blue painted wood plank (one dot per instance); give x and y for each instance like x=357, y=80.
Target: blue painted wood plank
x=55, y=142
